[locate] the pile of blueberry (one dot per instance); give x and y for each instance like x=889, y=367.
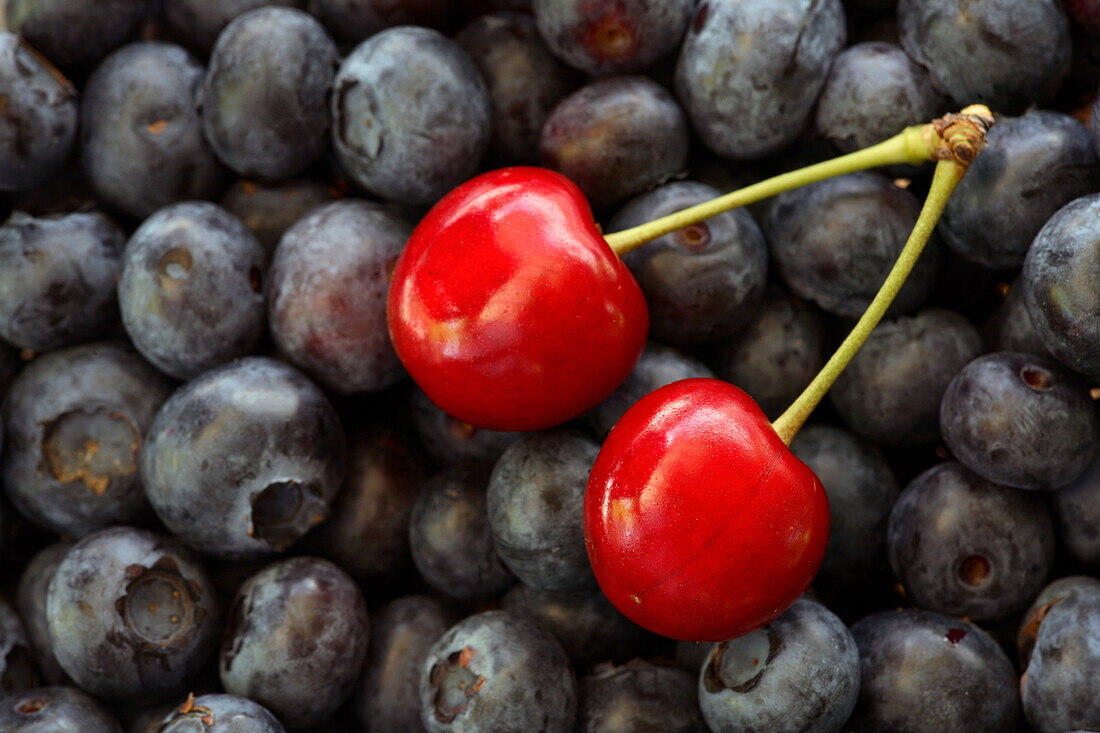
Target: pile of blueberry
x=226, y=508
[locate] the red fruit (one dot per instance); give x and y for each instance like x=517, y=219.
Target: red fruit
x=700, y=523
x=508, y=307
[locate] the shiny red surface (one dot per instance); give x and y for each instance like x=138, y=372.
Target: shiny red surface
x=700, y=524
x=509, y=309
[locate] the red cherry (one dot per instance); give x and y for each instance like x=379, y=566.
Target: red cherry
x=700, y=523
x=509, y=308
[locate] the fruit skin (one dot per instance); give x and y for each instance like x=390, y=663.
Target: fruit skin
x=700, y=524
x=53, y=710
x=509, y=309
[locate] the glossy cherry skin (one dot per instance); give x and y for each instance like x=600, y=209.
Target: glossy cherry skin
x=701, y=525
x=509, y=308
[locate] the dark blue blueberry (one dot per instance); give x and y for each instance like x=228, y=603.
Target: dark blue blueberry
x=1030, y=167
x=327, y=292
x=40, y=115
x=75, y=33
x=750, y=71
x=611, y=36
x=17, y=668
x=449, y=441
x=1070, y=586
x=220, y=714
x=963, y=546
x=1020, y=420
x=639, y=696
x=356, y=20
x=55, y=710
x=524, y=80
x=616, y=138
x=923, y=672
x=410, y=115
x=861, y=489
x=1060, y=280
x=265, y=98
x=57, y=279
x=1077, y=509
x=496, y=671
x=245, y=459
x=132, y=617
x=1004, y=53
x=198, y=23
x=143, y=146
x=30, y=599
x=835, y=241
x=1009, y=326
x=450, y=537
x=295, y=640
x=891, y=392
x=191, y=291
x=75, y=421
x=535, y=502
x=800, y=672
x=703, y=282
x=269, y=209
x=387, y=696
x=63, y=193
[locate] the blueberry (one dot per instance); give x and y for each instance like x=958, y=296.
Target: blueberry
x=891, y=391
x=132, y=617
x=449, y=441
x=295, y=640
x=269, y=209
x=495, y=671
x=30, y=599
x=1070, y=586
x=1019, y=420
x=221, y=714
x=923, y=671
x=355, y=20
x=327, y=294
x=9, y=367
x=143, y=146
x=410, y=115
x=53, y=710
x=615, y=138
x=199, y=22
x=703, y=282
x=75, y=420
x=38, y=127
x=639, y=696
x=244, y=460
x=17, y=669
x=74, y=33
x=1077, y=509
x=57, y=279
x=800, y=672
x=1009, y=326
x=264, y=100
x=749, y=72
x=191, y=290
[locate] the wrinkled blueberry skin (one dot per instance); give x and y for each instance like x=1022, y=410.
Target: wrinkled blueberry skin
x=497, y=671
x=75, y=421
x=191, y=291
x=524, y=80
x=873, y=92
x=1009, y=327
x=450, y=537
x=704, y=282
x=1020, y=420
x=242, y=461
x=410, y=115
x=387, y=696
x=1004, y=53
x=1060, y=274
x=966, y=547
x=589, y=628
x=295, y=640
x=221, y=714
x=132, y=617
x=73, y=33
x=30, y=600
x=923, y=671
x=612, y=37
x=750, y=72
x=800, y=672
x=615, y=138
x=269, y=209
x=1077, y=509
x=834, y=242
x=535, y=502
x=639, y=696
x=265, y=97
x=354, y=20
x=198, y=23
x=17, y=670
x=55, y=710
x=57, y=279
x=143, y=146
x=327, y=292
x=1070, y=586
x=450, y=441
x=861, y=489
x=38, y=127
x=657, y=366
x=777, y=354
x=891, y=391
x=1030, y=167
